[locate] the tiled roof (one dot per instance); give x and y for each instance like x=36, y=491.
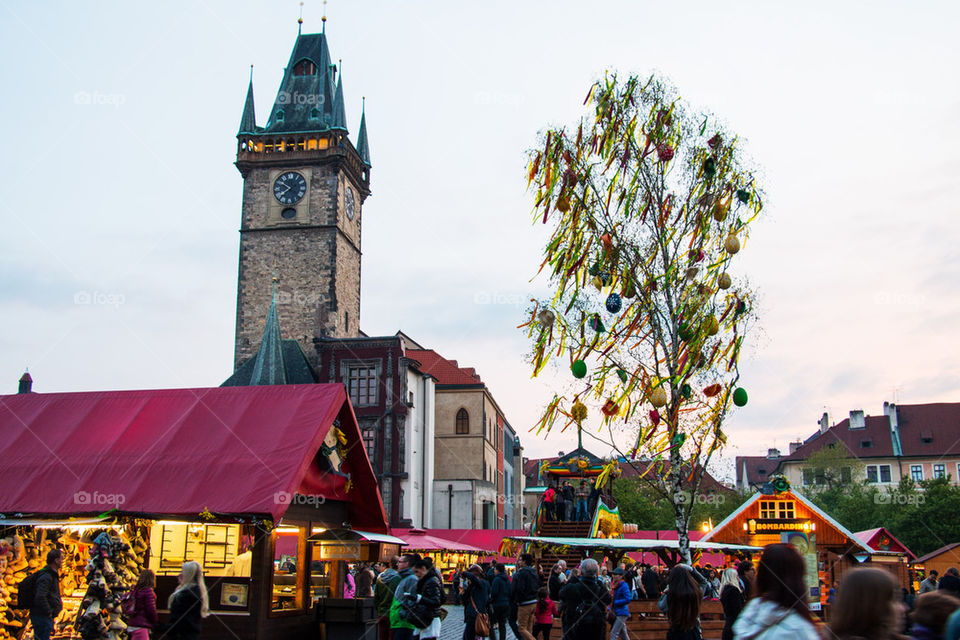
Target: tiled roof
x=940, y=422
x=925, y=429
x=759, y=469
x=445, y=371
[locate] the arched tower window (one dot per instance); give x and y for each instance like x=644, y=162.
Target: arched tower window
x=305, y=68
x=463, y=421
x=314, y=114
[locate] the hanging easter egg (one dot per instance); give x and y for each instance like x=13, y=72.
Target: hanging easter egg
x=709, y=168
x=678, y=440
x=685, y=332
x=741, y=308
x=743, y=196
x=622, y=375
x=546, y=318
x=731, y=244
x=715, y=141
x=578, y=368
x=596, y=323
x=712, y=390
x=604, y=277
x=712, y=325
x=614, y=304
x=658, y=397
x=740, y=397
x=594, y=269
x=610, y=408
x=724, y=281
x=691, y=273
x=686, y=391
x=720, y=213
x=563, y=204
x=607, y=241
x=629, y=290
x=597, y=282
x=665, y=152
x=578, y=411
x=654, y=417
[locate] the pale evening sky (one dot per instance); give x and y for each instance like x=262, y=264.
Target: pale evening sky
x=119, y=124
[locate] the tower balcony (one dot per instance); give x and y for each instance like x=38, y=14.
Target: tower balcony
x=302, y=148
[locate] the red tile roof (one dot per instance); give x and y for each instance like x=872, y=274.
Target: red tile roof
x=445, y=371
x=759, y=469
x=938, y=423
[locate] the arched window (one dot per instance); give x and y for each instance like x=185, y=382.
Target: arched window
x=314, y=114
x=280, y=115
x=304, y=68
x=463, y=421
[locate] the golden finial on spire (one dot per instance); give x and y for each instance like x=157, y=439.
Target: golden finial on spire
x=276, y=273
x=300, y=19
x=324, y=18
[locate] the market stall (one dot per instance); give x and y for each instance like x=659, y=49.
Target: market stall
x=238, y=479
x=785, y=515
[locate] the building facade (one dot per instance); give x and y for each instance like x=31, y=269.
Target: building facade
x=394, y=401
x=471, y=489
x=919, y=441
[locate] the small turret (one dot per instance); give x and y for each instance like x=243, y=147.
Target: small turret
x=363, y=147
x=248, y=122
x=26, y=383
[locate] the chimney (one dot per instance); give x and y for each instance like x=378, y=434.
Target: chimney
x=773, y=454
x=857, y=420
x=795, y=445
x=824, y=422
x=26, y=383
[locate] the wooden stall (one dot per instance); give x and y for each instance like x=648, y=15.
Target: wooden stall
x=787, y=516
x=239, y=479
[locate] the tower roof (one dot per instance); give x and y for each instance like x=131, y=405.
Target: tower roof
x=339, y=112
x=268, y=363
x=363, y=146
x=307, y=95
x=277, y=361
x=248, y=122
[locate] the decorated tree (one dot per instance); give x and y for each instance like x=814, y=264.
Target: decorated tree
x=649, y=204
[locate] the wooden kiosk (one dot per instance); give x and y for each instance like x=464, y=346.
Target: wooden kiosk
x=243, y=480
x=785, y=515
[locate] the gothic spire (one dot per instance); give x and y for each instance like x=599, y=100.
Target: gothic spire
x=339, y=111
x=268, y=366
x=248, y=122
x=363, y=147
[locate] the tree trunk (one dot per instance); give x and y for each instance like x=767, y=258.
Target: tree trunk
x=679, y=505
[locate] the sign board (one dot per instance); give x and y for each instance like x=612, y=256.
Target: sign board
x=234, y=595
x=341, y=551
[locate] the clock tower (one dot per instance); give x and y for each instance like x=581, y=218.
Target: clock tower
x=304, y=184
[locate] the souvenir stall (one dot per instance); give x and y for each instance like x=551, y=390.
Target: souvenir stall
x=888, y=554
x=257, y=472
x=785, y=515
x=448, y=554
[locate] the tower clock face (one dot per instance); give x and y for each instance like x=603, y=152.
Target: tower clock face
x=350, y=203
x=289, y=188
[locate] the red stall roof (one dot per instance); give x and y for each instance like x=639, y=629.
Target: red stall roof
x=437, y=540
x=178, y=452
